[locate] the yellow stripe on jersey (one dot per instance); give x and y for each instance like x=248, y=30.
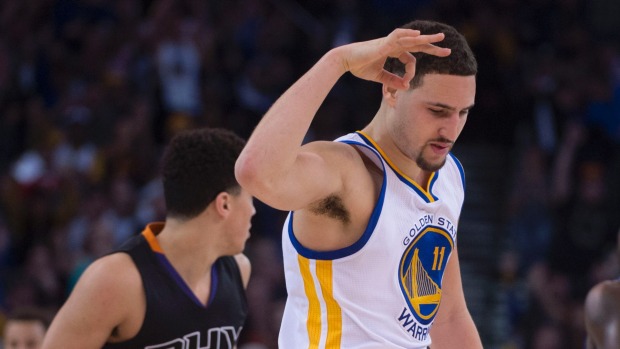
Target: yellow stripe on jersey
x=425, y=192
x=313, y=323
x=334, y=314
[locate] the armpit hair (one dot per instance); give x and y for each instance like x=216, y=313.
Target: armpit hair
x=332, y=206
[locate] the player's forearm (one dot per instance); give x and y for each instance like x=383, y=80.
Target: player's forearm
x=274, y=145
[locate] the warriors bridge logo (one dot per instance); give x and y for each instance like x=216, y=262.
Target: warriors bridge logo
x=421, y=270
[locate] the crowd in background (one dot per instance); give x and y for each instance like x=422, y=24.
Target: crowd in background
x=91, y=90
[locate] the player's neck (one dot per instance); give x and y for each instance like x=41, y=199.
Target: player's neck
x=378, y=133
x=189, y=246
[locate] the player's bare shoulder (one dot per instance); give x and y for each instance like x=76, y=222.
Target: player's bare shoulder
x=338, y=151
x=355, y=169
x=345, y=158
x=116, y=266
x=602, y=306
x=117, y=279
x=117, y=284
x=604, y=295
x=245, y=267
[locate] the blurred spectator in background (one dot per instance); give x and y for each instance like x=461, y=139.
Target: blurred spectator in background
x=585, y=225
x=529, y=210
x=178, y=61
x=25, y=329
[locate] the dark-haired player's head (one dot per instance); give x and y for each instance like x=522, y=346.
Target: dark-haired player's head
x=460, y=62
x=198, y=165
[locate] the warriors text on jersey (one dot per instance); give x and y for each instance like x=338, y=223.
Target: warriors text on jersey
x=175, y=318
x=385, y=289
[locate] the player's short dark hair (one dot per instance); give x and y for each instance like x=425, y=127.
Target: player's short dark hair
x=460, y=62
x=30, y=314
x=198, y=165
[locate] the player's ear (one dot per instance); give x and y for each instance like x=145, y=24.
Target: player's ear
x=389, y=95
x=222, y=204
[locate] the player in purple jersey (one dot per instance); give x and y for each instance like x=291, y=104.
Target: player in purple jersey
x=181, y=283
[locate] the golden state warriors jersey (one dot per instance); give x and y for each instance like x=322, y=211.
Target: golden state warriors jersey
x=384, y=290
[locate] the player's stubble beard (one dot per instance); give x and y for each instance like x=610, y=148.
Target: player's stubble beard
x=405, y=146
x=423, y=163
x=426, y=165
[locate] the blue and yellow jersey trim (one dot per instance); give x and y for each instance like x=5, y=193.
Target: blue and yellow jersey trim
x=460, y=167
x=424, y=192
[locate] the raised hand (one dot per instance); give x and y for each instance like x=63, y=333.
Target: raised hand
x=366, y=59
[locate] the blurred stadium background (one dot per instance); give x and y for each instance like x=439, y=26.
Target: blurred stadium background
x=90, y=91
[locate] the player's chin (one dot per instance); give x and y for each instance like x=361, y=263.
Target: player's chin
x=432, y=164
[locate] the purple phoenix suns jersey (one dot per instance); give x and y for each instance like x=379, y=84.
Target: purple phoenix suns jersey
x=175, y=318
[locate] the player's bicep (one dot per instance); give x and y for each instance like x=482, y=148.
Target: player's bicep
x=453, y=298
x=454, y=326
x=452, y=303
x=316, y=173
x=245, y=268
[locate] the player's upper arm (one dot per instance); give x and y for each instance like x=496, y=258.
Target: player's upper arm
x=454, y=327
x=245, y=268
x=100, y=302
x=452, y=295
x=318, y=171
x=594, y=304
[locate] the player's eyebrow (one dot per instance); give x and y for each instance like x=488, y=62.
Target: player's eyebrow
x=445, y=106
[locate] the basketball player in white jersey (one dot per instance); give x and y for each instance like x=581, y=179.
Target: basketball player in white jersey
x=370, y=241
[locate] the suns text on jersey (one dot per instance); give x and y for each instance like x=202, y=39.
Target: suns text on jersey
x=217, y=338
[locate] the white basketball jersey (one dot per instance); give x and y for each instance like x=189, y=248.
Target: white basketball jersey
x=384, y=290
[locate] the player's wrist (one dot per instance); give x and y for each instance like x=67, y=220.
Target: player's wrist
x=335, y=58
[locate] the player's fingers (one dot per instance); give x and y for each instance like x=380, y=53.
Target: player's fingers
x=409, y=61
x=414, y=40
x=434, y=50
x=392, y=80
x=404, y=33
x=424, y=43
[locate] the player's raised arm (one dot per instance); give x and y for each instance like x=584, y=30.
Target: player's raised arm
x=274, y=166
